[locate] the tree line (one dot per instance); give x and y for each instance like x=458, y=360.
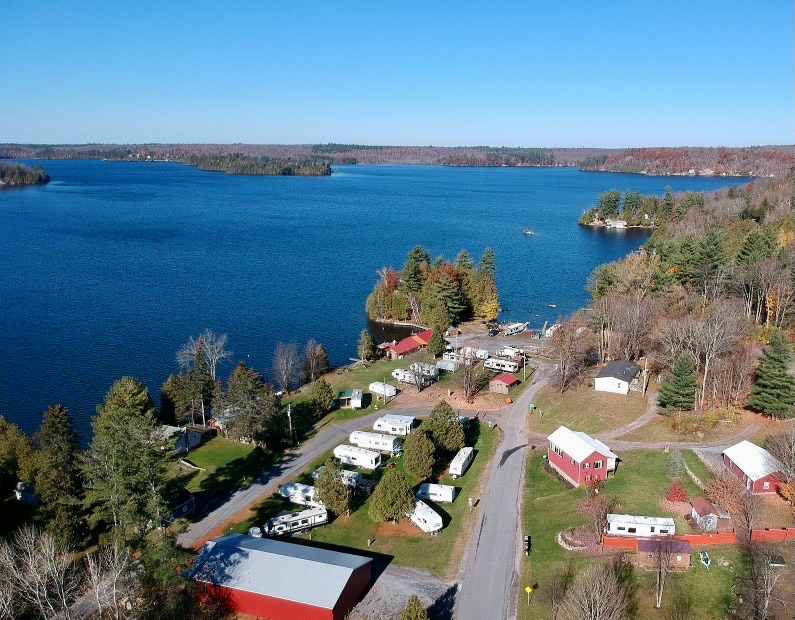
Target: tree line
x=238, y=164
x=19, y=175
x=638, y=210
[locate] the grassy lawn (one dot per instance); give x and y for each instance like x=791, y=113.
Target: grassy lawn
x=583, y=409
x=697, y=466
x=660, y=430
x=406, y=543
x=639, y=484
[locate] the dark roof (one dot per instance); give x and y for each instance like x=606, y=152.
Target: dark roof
x=626, y=371
x=671, y=545
x=283, y=570
x=703, y=506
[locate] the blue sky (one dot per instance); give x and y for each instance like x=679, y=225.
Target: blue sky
x=446, y=73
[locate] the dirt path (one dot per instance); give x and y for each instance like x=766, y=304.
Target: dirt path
x=648, y=416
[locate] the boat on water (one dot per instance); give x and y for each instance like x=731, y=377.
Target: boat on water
x=552, y=305
x=528, y=232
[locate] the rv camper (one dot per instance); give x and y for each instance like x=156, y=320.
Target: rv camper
x=500, y=365
x=424, y=370
x=296, y=521
x=394, y=424
x=298, y=493
x=351, y=479
x=426, y=518
x=404, y=376
x=436, y=492
x=376, y=441
x=358, y=457
x=509, y=352
x=385, y=391
x=461, y=462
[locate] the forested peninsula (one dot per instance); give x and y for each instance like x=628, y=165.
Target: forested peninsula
x=237, y=164
x=18, y=175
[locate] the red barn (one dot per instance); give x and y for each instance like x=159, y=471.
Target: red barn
x=410, y=345
x=273, y=579
x=502, y=383
x=756, y=467
x=579, y=458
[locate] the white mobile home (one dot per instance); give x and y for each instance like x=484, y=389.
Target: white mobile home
x=383, y=390
x=500, y=365
x=424, y=370
x=446, y=365
x=509, y=352
x=404, y=376
x=461, y=462
x=394, y=424
x=436, y=492
x=358, y=457
x=453, y=356
x=298, y=493
x=350, y=479
x=634, y=525
x=376, y=441
x=426, y=518
x=296, y=521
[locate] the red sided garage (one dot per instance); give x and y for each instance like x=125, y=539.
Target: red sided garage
x=759, y=470
x=278, y=580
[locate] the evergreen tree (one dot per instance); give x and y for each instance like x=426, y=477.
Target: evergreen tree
x=323, y=396
x=414, y=610
x=444, y=428
x=331, y=491
x=679, y=392
x=393, y=498
x=367, y=348
x=435, y=313
x=58, y=482
x=253, y=408
x=437, y=344
x=488, y=264
x=124, y=467
x=447, y=290
x=758, y=245
x=609, y=204
x=17, y=460
x=416, y=268
x=418, y=455
x=774, y=389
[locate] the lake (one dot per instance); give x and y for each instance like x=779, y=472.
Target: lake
x=109, y=268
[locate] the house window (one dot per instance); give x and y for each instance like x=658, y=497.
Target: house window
x=587, y=466
x=632, y=530
x=652, y=529
x=662, y=531
x=766, y=485
x=597, y=465
x=621, y=528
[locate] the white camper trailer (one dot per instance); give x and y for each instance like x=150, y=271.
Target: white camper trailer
x=436, y=492
x=509, y=352
x=298, y=493
x=500, y=365
x=461, y=462
x=394, y=424
x=424, y=370
x=385, y=391
x=426, y=518
x=376, y=441
x=351, y=479
x=404, y=376
x=446, y=365
x=296, y=521
x=634, y=525
x=358, y=457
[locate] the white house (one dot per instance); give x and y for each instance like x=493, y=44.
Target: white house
x=638, y=526
x=617, y=378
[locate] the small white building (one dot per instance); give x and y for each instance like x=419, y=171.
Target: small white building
x=394, y=424
x=350, y=399
x=426, y=518
x=376, y=441
x=618, y=378
x=638, y=526
x=461, y=462
x=301, y=494
x=296, y=521
x=385, y=391
x=358, y=457
x=436, y=492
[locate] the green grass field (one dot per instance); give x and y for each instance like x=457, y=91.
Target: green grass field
x=639, y=484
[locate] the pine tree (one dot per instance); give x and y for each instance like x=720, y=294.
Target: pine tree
x=437, y=344
x=679, y=392
x=323, y=396
x=418, y=455
x=774, y=389
x=416, y=268
x=393, y=498
x=414, y=610
x=448, y=291
x=488, y=264
x=331, y=491
x=367, y=349
x=444, y=428
x=758, y=245
x=254, y=409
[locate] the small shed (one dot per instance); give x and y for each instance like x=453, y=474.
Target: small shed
x=617, y=378
x=704, y=514
x=502, y=383
x=679, y=553
x=350, y=399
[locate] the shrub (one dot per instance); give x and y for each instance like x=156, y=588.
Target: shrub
x=676, y=493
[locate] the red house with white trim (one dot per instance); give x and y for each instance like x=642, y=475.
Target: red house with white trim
x=273, y=579
x=410, y=345
x=579, y=458
x=759, y=470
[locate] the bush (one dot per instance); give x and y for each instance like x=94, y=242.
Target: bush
x=392, y=499
x=323, y=396
x=676, y=493
x=419, y=455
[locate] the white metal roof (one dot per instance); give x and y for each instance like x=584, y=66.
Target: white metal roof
x=287, y=571
x=398, y=419
x=360, y=435
x=424, y=515
x=349, y=450
x=755, y=462
x=578, y=445
x=640, y=520
x=461, y=456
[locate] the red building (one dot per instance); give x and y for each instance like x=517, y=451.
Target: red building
x=579, y=458
x=756, y=467
x=502, y=383
x=278, y=580
x=410, y=345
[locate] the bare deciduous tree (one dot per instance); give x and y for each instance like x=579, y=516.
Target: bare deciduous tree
x=764, y=576
x=727, y=491
x=663, y=558
x=212, y=348
x=108, y=578
x=286, y=365
x=568, y=346
x=716, y=335
x=315, y=359
x=473, y=378
x=595, y=594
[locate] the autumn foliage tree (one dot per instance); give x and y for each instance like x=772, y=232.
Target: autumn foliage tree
x=676, y=493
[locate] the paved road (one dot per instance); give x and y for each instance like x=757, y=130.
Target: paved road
x=489, y=574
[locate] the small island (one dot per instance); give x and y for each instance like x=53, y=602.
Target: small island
x=238, y=164
x=19, y=175
x=633, y=210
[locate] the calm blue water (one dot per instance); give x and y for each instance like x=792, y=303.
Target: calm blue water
x=105, y=271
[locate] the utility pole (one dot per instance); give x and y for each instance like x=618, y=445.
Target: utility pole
x=290, y=422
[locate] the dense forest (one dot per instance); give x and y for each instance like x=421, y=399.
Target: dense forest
x=641, y=211
x=18, y=175
x=436, y=293
x=259, y=166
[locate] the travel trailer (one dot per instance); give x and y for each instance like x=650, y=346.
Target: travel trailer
x=385, y=391
x=633, y=525
x=509, y=352
x=376, y=441
x=461, y=462
x=298, y=493
x=296, y=521
x=358, y=457
x=350, y=479
x=404, y=376
x=424, y=370
x=426, y=518
x=500, y=365
x=394, y=424
x=436, y=492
